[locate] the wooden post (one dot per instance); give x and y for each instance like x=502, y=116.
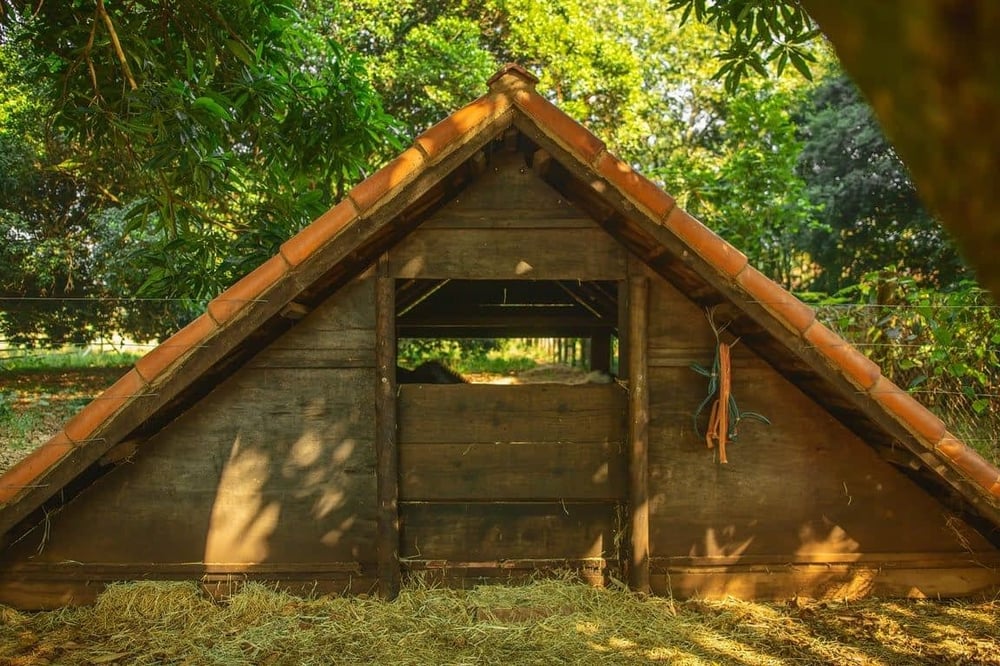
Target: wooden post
x=386, y=445
x=600, y=351
x=623, y=326
x=638, y=461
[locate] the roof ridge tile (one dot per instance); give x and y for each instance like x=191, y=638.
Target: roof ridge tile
x=248, y=289
x=561, y=127
x=437, y=141
x=912, y=415
x=90, y=418
x=32, y=467
x=777, y=300
x=705, y=243
x=634, y=185
x=512, y=75
x=861, y=370
x=970, y=463
x=318, y=233
x=164, y=355
x=396, y=173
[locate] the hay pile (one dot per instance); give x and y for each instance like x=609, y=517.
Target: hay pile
x=547, y=622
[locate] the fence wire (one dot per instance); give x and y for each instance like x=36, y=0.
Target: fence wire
x=947, y=355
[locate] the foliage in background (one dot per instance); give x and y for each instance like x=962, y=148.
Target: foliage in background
x=869, y=213
x=761, y=36
x=743, y=184
x=942, y=345
x=189, y=140
x=468, y=355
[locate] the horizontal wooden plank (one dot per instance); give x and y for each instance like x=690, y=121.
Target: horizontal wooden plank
x=820, y=581
x=339, y=347
x=509, y=186
x=912, y=560
x=464, y=575
x=263, y=528
x=70, y=585
x=495, y=531
x=584, y=254
x=466, y=413
x=520, y=218
x=512, y=470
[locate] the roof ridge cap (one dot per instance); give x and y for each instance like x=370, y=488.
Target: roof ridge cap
x=512, y=76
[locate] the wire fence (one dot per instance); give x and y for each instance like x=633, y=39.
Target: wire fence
x=947, y=355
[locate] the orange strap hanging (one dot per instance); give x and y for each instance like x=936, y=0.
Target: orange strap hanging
x=718, y=418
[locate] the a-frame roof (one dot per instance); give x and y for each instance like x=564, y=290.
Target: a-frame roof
x=392, y=202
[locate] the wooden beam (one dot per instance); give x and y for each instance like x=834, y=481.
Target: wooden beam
x=386, y=445
x=638, y=463
x=295, y=311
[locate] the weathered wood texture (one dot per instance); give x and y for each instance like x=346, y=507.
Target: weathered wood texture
x=509, y=224
x=955, y=577
x=483, y=531
x=463, y=414
x=276, y=465
x=638, y=434
x=803, y=486
x=499, y=473
x=386, y=443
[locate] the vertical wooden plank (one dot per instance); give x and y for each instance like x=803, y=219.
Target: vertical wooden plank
x=638, y=464
x=623, y=326
x=386, y=445
x=600, y=351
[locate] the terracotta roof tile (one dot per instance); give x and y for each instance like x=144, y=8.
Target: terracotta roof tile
x=89, y=419
x=634, y=185
x=774, y=298
x=373, y=188
x=176, y=346
x=26, y=472
x=323, y=229
x=250, y=287
x=970, y=463
x=706, y=243
x=435, y=141
x=509, y=71
x=911, y=414
x=571, y=134
x=860, y=369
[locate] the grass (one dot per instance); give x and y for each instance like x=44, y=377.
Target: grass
x=67, y=358
x=546, y=622
x=40, y=391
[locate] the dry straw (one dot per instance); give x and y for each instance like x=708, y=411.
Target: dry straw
x=547, y=622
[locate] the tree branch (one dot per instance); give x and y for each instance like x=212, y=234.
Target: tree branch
x=103, y=13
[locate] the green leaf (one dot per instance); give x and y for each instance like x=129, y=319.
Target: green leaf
x=799, y=62
x=213, y=107
x=240, y=52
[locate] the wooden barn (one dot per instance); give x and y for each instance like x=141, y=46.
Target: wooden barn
x=269, y=439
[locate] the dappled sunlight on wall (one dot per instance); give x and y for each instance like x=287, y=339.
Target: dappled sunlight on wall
x=242, y=520
x=825, y=538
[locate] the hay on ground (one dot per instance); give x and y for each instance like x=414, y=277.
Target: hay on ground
x=546, y=622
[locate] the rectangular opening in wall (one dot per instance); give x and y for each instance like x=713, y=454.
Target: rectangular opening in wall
x=506, y=331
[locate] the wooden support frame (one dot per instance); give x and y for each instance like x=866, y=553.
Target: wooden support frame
x=638, y=434
x=386, y=440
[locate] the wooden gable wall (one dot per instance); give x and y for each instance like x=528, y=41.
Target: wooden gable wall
x=273, y=474
x=269, y=476
x=796, y=497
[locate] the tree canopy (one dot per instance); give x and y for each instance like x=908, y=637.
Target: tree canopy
x=161, y=149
